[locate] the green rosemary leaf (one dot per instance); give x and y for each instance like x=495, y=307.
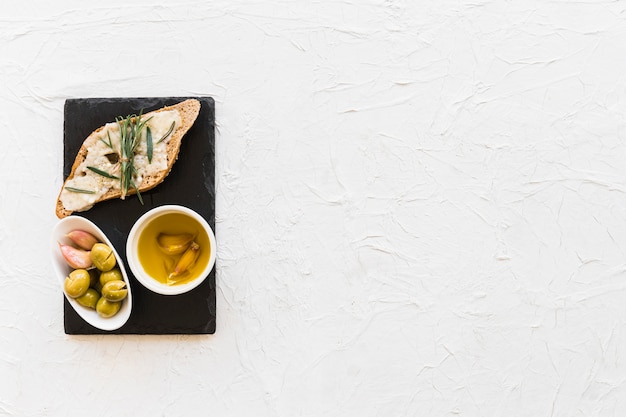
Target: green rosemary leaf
x=126, y=179
x=103, y=173
x=141, y=125
x=79, y=190
x=149, y=144
x=169, y=132
x=139, y=196
x=109, y=144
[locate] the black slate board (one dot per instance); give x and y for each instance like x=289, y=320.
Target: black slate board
x=191, y=183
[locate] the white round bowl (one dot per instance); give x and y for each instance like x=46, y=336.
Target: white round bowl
x=62, y=270
x=138, y=270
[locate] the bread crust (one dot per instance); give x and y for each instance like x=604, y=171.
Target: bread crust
x=188, y=110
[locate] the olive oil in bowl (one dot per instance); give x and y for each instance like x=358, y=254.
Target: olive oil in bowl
x=159, y=264
x=171, y=249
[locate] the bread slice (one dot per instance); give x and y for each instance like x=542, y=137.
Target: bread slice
x=188, y=111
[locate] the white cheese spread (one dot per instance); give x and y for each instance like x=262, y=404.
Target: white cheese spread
x=87, y=186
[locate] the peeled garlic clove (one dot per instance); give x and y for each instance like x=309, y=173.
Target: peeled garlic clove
x=76, y=258
x=174, y=244
x=186, y=261
x=82, y=239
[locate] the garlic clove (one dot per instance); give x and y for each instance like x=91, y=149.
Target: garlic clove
x=76, y=258
x=174, y=244
x=82, y=239
x=185, y=262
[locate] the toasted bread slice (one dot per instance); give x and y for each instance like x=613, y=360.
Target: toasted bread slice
x=188, y=111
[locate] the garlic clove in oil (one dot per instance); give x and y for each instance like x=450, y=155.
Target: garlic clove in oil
x=174, y=244
x=186, y=261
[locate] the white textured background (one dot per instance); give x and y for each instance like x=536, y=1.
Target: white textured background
x=421, y=207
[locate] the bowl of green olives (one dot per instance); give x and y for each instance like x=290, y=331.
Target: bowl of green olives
x=91, y=273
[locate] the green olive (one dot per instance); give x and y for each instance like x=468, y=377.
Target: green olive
x=89, y=299
x=106, y=308
x=77, y=283
x=113, y=275
x=103, y=257
x=115, y=290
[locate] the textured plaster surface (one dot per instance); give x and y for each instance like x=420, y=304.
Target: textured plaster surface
x=420, y=207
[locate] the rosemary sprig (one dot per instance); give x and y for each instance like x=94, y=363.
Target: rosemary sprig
x=137, y=188
x=103, y=173
x=130, y=136
x=79, y=190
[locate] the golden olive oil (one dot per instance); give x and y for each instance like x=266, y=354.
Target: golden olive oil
x=155, y=262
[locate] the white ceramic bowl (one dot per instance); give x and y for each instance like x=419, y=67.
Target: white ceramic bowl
x=137, y=268
x=62, y=269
